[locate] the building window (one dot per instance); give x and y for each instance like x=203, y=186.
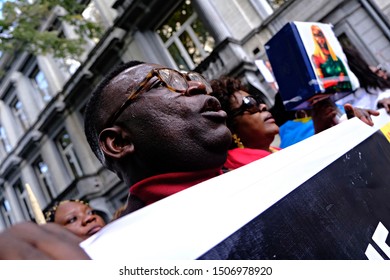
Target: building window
x=5, y=211
x=21, y=194
x=20, y=114
x=68, y=64
x=68, y=153
x=40, y=84
x=4, y=141
x=265, y=8
x=186, y=38
x=92, y=14
x=44, y=177
x=276, y=4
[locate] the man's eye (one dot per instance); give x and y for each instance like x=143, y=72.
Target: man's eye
x=157, y=84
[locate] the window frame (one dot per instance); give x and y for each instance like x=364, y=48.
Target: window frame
x=5, y=142
x=69, y=150
x=23, y=199
x=45, y=179
x=5, y=214
x=20, y=114
x=43, y=92
x=175, y=40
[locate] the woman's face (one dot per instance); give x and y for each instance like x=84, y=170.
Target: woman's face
x=319, y=37
x=79, y=218
x=256, y=130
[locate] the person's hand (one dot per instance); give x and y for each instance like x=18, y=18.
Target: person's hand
x=29, y=241
x=385, y=103
x=324, y=115
x=363, y=114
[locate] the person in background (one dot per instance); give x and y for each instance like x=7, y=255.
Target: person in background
x=324, y=114
x=118, y=212
x=374, y=90
x=373, y=93
x=254, y=128
x=380, y=71
x=76, y=216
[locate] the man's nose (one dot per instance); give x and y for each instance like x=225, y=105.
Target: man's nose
x=196, y=87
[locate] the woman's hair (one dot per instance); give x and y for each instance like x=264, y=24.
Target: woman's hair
x=51, y=213
x=361, y=69
x=223, y=89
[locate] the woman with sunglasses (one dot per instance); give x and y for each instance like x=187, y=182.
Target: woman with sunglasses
x=252, y=126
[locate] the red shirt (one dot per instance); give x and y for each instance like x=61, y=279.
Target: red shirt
x=241, y=156
x=160, y=186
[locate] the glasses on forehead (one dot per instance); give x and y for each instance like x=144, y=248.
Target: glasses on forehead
x=171, y=79
x=249, y=104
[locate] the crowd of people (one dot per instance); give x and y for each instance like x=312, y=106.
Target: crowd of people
x=162, y=131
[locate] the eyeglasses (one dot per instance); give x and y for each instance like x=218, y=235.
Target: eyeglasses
x=250, y=104
x=171, y=79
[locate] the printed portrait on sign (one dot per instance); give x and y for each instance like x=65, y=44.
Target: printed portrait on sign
x=327, y=57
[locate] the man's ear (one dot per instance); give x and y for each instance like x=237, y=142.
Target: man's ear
x=115, y=142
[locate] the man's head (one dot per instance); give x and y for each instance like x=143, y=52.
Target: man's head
x=145, y=119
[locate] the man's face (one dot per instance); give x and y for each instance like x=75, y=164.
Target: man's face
x=171, y=131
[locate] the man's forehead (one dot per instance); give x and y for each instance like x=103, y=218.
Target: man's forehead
x=128, y=78
x=136, y=73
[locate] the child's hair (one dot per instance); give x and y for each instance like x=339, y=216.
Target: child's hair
x=50, y=214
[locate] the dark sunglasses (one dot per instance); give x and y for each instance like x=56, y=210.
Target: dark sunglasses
x=173, y=80
x=249, y=104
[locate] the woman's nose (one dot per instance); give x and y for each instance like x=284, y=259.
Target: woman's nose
x=88, y=219
x=263, y=107
x=196, y=87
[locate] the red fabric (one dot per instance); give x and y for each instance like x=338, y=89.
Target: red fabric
x=160, y=186
x=241, y=156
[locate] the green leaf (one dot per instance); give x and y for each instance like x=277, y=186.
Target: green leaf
x=21, y=28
